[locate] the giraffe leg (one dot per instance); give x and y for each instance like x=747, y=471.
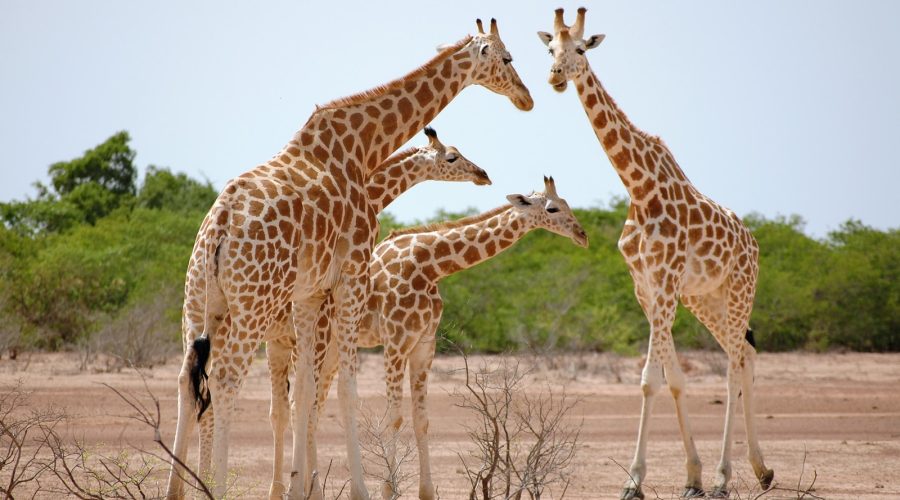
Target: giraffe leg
x=350, y=299
x=214, y=321
x=394, y=368
x=224, y=383
x=187, y=417
x=661, y=309
x=419, y=366
x=278, y=354
x=305, y=314
x=204, y=466
x=763, y=474
x=727, y=319
x=675, y=379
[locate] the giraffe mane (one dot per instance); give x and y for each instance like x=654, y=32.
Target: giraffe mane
x=395, y=158
x=634, y=128
x=452, y=224
x=380, y=90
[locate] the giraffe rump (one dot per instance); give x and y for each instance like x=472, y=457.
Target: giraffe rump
x=199, y=377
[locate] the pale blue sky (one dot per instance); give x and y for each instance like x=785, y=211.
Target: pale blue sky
x=779, y=107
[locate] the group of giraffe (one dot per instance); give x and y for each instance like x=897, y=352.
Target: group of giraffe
x=287, y=256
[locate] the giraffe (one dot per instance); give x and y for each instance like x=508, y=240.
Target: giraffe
x=298, y=228
x=678, y=244
x=405, y=307
x=383, y=185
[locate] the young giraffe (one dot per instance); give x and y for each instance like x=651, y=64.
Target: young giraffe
x=391, y=179
x=405, y=307
x=677, y=243
x=298, y=229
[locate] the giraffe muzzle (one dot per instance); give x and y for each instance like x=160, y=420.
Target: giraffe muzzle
x=481, y=178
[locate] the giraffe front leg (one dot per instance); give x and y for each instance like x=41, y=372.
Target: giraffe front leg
x=305, y=314
x=675, y=379
x=419, y=365
x=278, y=354
x=350, y=299
x=660, y=309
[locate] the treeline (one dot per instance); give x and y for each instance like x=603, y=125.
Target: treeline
x=99, y=254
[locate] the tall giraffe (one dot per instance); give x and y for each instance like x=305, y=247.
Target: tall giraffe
x=299, y=228
x=383, y=185
x=405, y=307
x=678, y=243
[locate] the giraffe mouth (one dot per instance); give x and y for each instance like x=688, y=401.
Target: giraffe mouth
x=561, y=86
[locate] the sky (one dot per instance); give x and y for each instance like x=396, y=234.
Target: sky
x=770, y=106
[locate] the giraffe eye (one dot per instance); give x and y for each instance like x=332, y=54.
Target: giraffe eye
x=484, y=50
x=550, y=51
x=451, y=159
x=552, y=210
x=579, y=52
x=507, y=60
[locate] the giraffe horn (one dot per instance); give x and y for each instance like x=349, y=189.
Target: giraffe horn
x=494, y=30
x=480, y=26
x=578, y=28
x=558, y=23
x=550, y=186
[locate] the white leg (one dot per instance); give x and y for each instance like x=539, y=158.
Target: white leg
x=675, y=379
x=305, y=315
x=279, y=358
x=350, y=301
x=660, y=310
x=754, y=452
x=723, y=470
x=187, y=416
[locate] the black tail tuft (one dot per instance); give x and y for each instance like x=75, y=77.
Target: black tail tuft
x=750, y=339
x=199, y=377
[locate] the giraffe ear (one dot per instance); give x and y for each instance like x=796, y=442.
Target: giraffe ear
x=593, y=41
x=545, y=37
x=518, y=200
x=442, y=47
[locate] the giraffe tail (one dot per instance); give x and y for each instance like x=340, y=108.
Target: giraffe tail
x=749, y=338
x=199, y=377
x=202, y=346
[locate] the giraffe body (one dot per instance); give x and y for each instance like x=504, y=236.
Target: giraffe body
x=678, y=244
x=292, y=232
x=397, y=174
x=404, y=310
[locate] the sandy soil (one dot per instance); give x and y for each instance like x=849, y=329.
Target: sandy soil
x=840, y=413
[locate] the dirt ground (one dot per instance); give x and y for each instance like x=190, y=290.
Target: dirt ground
x=838, y=413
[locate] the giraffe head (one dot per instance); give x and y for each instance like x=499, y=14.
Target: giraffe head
x=547, y=210
x=568, y=47
x=449, y=165
x=492, y=67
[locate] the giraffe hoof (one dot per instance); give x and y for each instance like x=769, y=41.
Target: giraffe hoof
x=766, y=479
x=693, y=492
x=632, y=494
x=718, y=492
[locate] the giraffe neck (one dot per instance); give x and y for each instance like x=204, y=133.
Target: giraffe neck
x=476, y=242
x=361, y=131
x=395, y=176
x=643, y=162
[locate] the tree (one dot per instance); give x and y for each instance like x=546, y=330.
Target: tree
x=163, y=189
